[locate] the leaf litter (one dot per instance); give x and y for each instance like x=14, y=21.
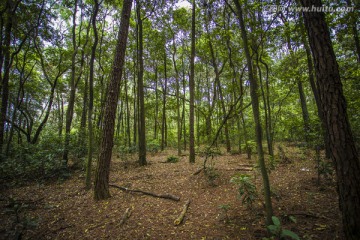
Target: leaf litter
x=68, y=211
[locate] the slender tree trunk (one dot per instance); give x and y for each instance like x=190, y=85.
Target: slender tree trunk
x=192, y=88
x=163, y=121
x=256, y=113
x=342, y=145
x=354, y=16
x=142, y=130
x=91, y=97
x=135, y=106
x=60, y=105
x=183, y=103
x=101, y=189
x=71, y=103
x=269, y=122
x=304, y=110
x=156, y=104
x=217, y=72
x=128, y=134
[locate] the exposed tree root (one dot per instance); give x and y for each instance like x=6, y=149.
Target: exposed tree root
x=166, y=196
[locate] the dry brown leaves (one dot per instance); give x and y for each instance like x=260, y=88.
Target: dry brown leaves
x=67, y=211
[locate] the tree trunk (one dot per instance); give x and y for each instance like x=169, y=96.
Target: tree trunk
x=304, y=110
x=315, y=91
x=6, y=67
x=156, y=103
x=71, y=103
x=141, y=127
x=353, y=23
x=192, y=88
x=91, y=97
x=256, y=113
x=342, y=145
x=217, y=72
x=163, y=121
x=101, y=189
x=177, y=92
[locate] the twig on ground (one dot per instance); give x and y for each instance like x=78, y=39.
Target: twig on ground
x=166, y=196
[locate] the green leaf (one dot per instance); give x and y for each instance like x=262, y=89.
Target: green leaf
x=291, y=234
x=275, y=220
x=273, y=229
x=292, y=218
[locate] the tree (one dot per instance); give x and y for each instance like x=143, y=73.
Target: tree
x=342, y=146
x=101, y=189
x=140, y=58
x=256, y=113
x=192, y=89
x=91, y=95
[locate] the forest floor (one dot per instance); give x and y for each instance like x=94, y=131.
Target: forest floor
x=65, y=210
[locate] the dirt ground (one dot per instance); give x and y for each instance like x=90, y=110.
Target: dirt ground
x=65, y=210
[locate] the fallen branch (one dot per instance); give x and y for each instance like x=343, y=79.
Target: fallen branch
x=166, y=196
x=125, y=216
x=182, y=214
x=245, y=169
x=312, y=215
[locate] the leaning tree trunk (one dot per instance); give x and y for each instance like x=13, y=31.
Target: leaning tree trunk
x=315, y=90
x=101, y=189
x=256, y=112
x=333, y=104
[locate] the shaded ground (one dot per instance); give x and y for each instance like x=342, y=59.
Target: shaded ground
x=64, y=210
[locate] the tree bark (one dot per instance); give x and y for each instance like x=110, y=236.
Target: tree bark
x=101, y=189
x=5, y=52
x=315, y=91
x=91, y=97
x=141, y=127
x=255, y=106
x=163, y=121
x=333, y=104
x=192, y=89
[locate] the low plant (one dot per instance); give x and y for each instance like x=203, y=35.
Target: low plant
x=247, y=189
x=172, y=159
x=224, y=212
x=211, y=174
x=153, y=146
x=278, y=232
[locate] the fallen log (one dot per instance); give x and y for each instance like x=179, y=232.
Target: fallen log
x=125, y=216
x=182, y=214
x=166, y=196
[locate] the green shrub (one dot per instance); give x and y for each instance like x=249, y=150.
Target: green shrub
x=247, y=189
x=278, y=232
x=172, y=159
x=153, y=146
